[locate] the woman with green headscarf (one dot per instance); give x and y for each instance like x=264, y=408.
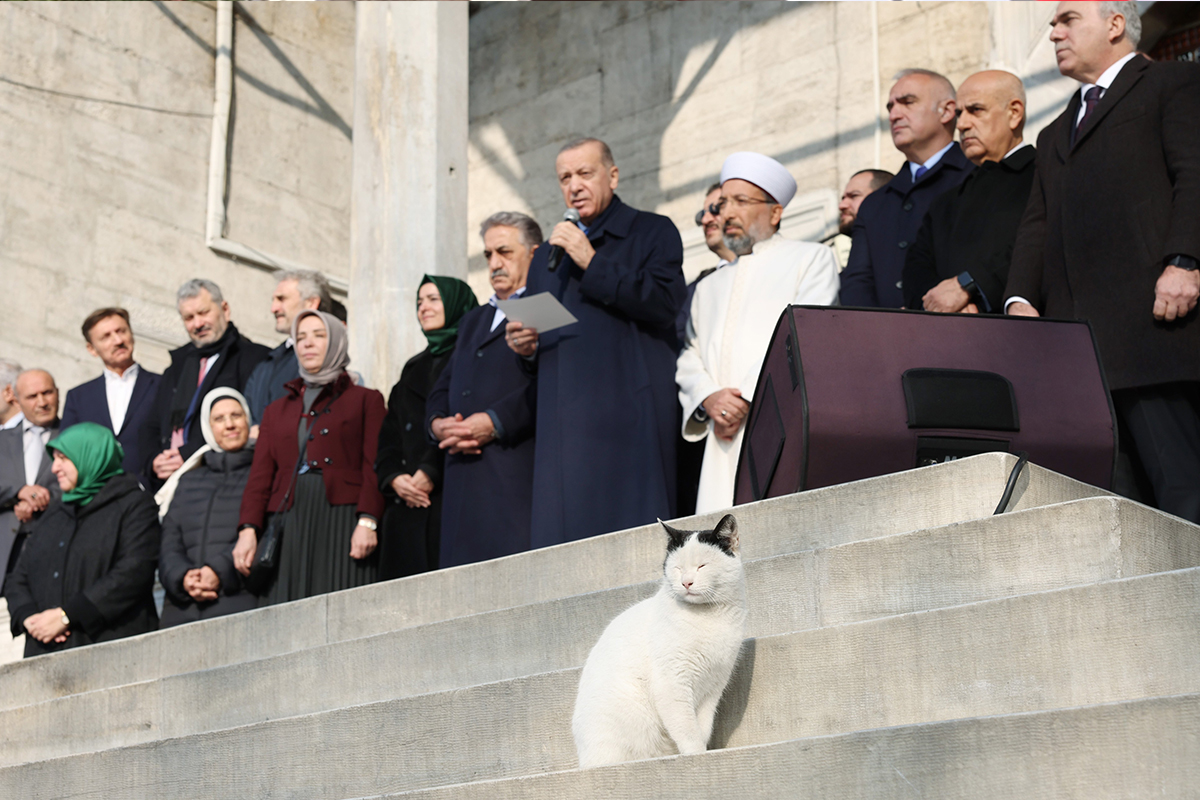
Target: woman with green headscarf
x=409, y=466
x=86, y=574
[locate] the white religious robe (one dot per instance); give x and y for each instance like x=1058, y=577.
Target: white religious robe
x=733, y=314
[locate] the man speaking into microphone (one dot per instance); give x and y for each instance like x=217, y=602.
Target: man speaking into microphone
x=605, y=440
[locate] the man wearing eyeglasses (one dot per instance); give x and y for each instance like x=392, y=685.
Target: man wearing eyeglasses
x=734, y=312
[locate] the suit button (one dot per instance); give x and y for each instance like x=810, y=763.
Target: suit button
x=903, y=245
x=62, y=544
x=327, y=461
x=56, y=574
x=466, y=392
x=908, y=206
x=479, y=354
x=311, y=437
x=408, y=426
x=315, y=464
x=899, y=284
x=324, y=431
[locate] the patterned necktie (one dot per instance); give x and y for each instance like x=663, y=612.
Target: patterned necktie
x=1090, y=98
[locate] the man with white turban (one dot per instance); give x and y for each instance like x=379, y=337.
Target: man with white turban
x=734, y=312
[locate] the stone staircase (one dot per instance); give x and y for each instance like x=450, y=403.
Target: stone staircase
x=903, y=642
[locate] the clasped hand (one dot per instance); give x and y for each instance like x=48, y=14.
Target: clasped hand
x=413, y=489
x=727, y=410
x=459, y=435
x=202, y=584
x=948, y=297
x=47, y=626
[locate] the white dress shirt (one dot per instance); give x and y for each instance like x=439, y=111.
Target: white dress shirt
x=498, y=317
x=35, y=449
x=1104, y=81
x=119, y=390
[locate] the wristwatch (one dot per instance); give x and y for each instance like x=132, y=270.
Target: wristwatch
x=1183, y=262
x=368, y=523
x=967, y=283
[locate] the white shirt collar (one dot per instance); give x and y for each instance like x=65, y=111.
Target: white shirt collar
x=16, y=420
x=130, y=375
x=1015, y=149
x=932, y=162
x=1108, y=76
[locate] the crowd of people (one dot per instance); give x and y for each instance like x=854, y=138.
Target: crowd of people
x=276, y=475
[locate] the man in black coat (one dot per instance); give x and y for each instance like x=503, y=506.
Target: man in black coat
x=121, y=398
x=606, y=394
x=921, y=110
x=217, y=356
x=482, y=411
x=295, y=290
x=1112, y=235
x=959, y=261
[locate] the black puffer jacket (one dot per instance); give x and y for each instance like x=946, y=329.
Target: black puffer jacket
x=201, y=528
x=95, y=562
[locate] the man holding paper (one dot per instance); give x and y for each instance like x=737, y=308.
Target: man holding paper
x=481, y=411
x=605, y=451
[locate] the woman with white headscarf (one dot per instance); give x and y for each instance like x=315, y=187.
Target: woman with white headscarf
x=333, y=503
x=195, y=565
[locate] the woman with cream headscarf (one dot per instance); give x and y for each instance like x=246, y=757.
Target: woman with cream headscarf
x=87, y=572
x=329, y=534
x=200, y=522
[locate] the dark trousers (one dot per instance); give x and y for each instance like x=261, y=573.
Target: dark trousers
x=1164, y=425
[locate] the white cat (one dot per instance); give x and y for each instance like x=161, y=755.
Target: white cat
x=651, y=685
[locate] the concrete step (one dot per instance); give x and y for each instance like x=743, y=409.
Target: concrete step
x=1134, y=749
x=907, y=501
x=1027, y=551
x=1113, y=641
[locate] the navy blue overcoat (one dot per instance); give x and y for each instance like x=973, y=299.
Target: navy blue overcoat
x=887, y=223
x=486, y=498
x=606, y=397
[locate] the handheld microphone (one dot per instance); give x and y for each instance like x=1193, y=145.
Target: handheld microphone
x=556, y=252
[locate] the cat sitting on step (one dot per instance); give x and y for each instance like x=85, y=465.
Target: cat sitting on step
x=651, y=685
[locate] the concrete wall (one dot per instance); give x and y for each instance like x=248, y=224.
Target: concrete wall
x=105, y=124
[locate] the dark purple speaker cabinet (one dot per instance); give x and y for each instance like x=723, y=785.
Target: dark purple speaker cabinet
x=850, y=393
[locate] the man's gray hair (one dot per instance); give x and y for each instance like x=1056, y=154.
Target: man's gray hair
x=192, y=289
x=1133, y=22
x=531, y=232
x=9, y=370
x=606, y=156
x=310, y=284
x=941, y=80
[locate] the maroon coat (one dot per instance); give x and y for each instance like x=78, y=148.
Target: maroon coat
x=342, y=443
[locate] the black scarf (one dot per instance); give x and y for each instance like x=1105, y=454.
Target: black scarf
x=183, y=401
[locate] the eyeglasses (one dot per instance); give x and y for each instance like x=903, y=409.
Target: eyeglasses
x=737, y=201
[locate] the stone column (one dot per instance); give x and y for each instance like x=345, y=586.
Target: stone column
x=409, y=207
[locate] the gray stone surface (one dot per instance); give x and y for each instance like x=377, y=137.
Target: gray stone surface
x=1108, y=642
x=914, y=500
x=1133, y=750
x=1028, y=551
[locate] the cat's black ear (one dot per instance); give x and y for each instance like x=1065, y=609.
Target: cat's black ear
x=676, y=537
x=727, y=532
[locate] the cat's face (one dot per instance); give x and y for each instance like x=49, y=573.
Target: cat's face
x=703, y=566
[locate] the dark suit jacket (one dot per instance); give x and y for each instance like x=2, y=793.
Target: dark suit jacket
x=887, y=224
x=88, y=402
x=606, y=385
x=233, y=369
x=971, y=228
x=12, y=478
x=266, y=384
x=488, y=497
x=1105, y=213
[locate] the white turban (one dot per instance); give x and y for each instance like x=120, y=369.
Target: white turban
x=764, y=172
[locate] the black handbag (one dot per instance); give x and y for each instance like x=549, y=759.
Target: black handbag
x=266, y=557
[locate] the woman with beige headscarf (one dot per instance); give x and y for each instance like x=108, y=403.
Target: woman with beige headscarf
x=333, y=501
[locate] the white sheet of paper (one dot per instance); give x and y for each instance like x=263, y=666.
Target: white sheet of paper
x=542, y=312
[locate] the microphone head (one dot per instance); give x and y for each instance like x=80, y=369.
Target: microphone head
x=571, y=215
